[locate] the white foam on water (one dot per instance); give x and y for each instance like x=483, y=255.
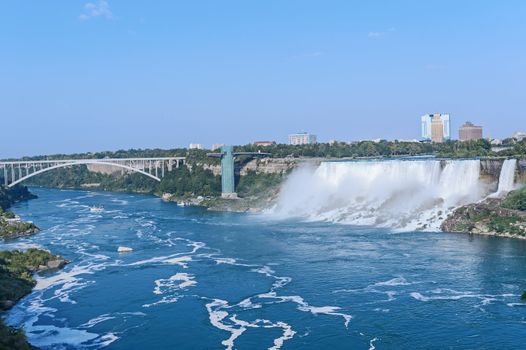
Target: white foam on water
x=217, y=316
x=19, y=245
x=400, y=194
x=177, y=258
x=228, y=261
x=106, y=317
x=178, y=281
x=453, y=295
x=47, y=336
x=236, y=327
x=516, y=304
x=304, y=306
x=379, y=309
x=181, y=261
x=120, y=201
x=164, y=300
x=66, y=277
x=371, y=343
x=97, y=320
x=397, y=281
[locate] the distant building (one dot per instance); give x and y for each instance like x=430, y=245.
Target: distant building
x=496, y=142
x=407, y=140
x=216, y=146
x=436, y=127
x=264, y=143
x=468, y=131
x=195, y=146
x=302, y=139
x=519, y=136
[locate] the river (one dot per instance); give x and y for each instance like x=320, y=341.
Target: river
x=203, y=280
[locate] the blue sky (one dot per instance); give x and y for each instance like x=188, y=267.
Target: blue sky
x=105, y=75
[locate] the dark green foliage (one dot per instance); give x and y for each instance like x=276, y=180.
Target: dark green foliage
x=523, y=296
x=516, y=200
x=13, y=339
x=504, y=224
x=382, y=148
x=20, y=264
x=16, y=229
x=8, y=196
x=131, y=153
x=518, y=149
x=16, y=282
x=16, y=270
x=198, y=182
x=253, y=184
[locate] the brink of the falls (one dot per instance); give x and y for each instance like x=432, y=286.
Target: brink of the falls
x=400, y=194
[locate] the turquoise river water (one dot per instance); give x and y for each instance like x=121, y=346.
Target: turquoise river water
x=203, y=280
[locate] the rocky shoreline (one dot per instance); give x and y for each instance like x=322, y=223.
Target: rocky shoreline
x=11, y=227
x=17, y=268
x=490, y=217
x=16, y=281
x=250, y=204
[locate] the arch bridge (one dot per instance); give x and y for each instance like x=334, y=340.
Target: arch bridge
x=17, y=171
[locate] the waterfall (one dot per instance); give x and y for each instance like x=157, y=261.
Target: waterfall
x=507, y=177
x=402, y=194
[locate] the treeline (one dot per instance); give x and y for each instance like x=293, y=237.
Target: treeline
x=453, y=148
x=382, y=148
x=8, y=196
x=196, y=180
x=180, y=181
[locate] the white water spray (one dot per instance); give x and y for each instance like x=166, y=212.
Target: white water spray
x=507, y=177
x=406, y=195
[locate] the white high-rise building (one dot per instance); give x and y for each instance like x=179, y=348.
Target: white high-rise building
x=427, y=126
x=302, y=139
x=195, y=146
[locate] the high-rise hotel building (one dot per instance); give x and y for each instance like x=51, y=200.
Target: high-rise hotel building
x=468, y=131
x=436, y=127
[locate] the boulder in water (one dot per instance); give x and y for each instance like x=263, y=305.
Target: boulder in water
x=124, y=249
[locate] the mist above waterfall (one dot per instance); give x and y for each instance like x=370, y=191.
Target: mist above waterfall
x=402, y=194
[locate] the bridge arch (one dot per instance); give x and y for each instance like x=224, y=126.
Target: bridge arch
x=83, y=162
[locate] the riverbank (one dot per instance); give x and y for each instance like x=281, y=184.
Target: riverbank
x=255, y=203
x=16, y=281
x=503, y=217
x=16, y=267
x=12, y=227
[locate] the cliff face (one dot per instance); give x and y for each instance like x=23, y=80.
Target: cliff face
x=260, y=165
x=491, y=168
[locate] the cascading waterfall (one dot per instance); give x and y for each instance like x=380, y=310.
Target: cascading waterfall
x=402, y=194
x=507, y=177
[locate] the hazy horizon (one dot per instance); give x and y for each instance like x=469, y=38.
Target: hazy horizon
x=88, y=76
